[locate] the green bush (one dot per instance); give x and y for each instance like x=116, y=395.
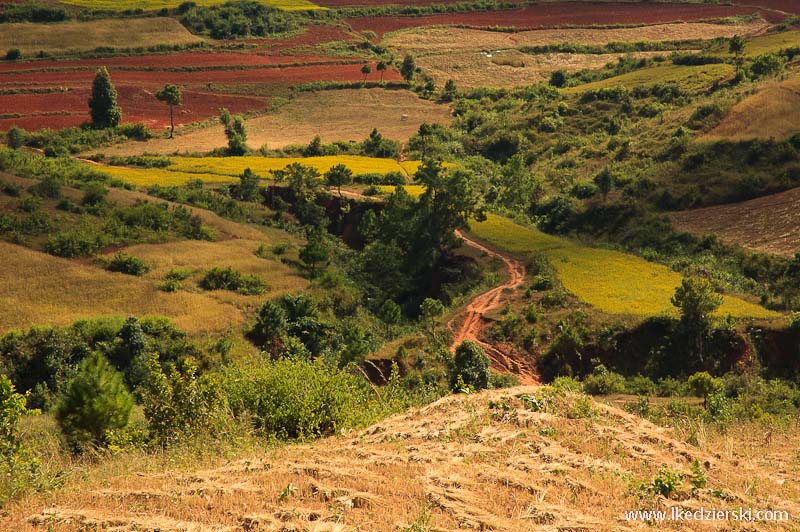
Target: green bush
x=230, y=279
x=604, y=382
x=127, y=264
x=470, y=367
x=14, y=54
x=701, y=384
x=73, y=244
x=18, y=469
x=181, y=404
x=96, y=400
x=299, y=399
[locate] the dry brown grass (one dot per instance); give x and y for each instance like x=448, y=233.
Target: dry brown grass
x=769, y=224
x=482, y=462
x=333, y=115
x=425, y=41
x=773, y=111
x=67, y=37
x=36, y=288
x=509, y=68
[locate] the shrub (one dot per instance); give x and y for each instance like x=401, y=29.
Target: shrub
x=230, y=279
x=604, y=382
x=73, y=244
x=470, y=367
x=14, y=54
x=15, y=138
x=666, y=482
x=127, y=264
x=17, y=467
x=299, y=399
x=701, y=384
x=96, y=401
x=183, y=404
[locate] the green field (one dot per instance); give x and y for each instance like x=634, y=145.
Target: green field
x=691, y=78
x=611, y=281
x=121, y=5
x=772, y=43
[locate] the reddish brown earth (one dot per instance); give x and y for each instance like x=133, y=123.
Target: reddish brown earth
x=563, y=14
x=504, y=358
x=182, y=60
x=788, y=6
x=313, y=35
x=344, y=3
x=65, y=109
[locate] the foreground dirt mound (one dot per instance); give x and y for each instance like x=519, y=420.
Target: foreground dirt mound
x=516, y=459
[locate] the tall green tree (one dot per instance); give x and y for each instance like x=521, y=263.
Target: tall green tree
x=696, y=300
x=382, y=67
x=235, y=132
x=248, y=185
x=172, y=96
x=605, y=181
x=470, y=367
x=316, y=252
x=366, y=69
x=408, y=68
x=103, y=106
x=96, y=400
x=338, y=176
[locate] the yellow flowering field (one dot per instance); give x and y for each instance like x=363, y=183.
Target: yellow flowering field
x=144, y=177
x=612, y=281
x=234, y=166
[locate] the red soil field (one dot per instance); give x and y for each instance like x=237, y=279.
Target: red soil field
x=563, y=14
x=138, y=105
x=197, y=79
x=344, y=3
x=788, y=6
x=314, y=35
x=182, y=60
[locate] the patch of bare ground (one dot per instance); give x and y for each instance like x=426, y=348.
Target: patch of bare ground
x=483, y=462
x=424, y=41
x=348, y=114
x=509, y=68
x=770, y=224
x=772, y=112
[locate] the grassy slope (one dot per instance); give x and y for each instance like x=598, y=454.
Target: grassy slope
x=74, y=36
x=772, y=112
x=614, y=282
x=348, y=114
x=480, y=462
x=691, y=78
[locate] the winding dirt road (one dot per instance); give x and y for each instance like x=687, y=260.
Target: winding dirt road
x=503, y=359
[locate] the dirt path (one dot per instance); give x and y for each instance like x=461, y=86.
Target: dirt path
x=503, y=359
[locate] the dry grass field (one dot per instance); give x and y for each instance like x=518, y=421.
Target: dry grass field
x=482, y=462
x=508, y=68
x=773, y=111
x=348, y=114
x=119, y=5
x=36, y=288
x=426, y=41
x=768, y=225
x=66, y=37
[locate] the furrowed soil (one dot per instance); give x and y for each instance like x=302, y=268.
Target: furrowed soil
x=566, y=14
x=333, y=115
x=769, y=224
x=483, y=461
x=425, y=41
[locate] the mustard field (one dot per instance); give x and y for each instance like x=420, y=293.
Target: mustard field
x=611, y=281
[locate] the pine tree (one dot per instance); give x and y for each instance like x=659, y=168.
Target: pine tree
x=96, y=401
x=103, y=104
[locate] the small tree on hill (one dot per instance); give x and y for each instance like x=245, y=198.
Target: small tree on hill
x=605, y=181
x=235, y=132
x=382, y=67
x=408, y=68
x=15, y=138
x=366, y=69
x=172, y=96
x=103, y=103
x=696, y=300
x=96, y=401
x=736, y=47
x=316, y=252
x=248, y=185
x=449, y=92
x=339, y=176
x=470, y=367
x=17, y=466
